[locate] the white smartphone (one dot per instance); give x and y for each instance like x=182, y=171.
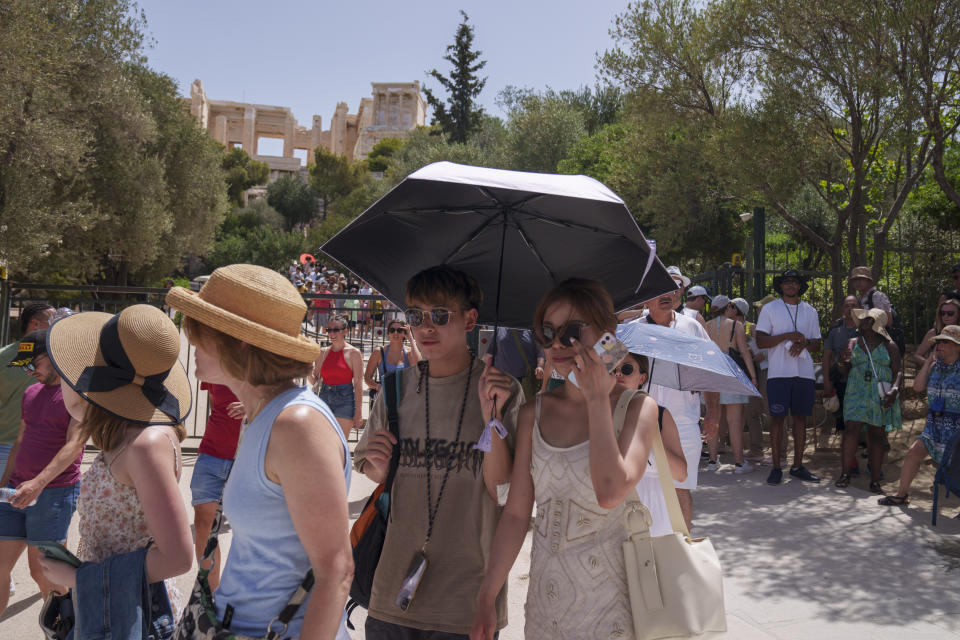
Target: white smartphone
x=611, y=352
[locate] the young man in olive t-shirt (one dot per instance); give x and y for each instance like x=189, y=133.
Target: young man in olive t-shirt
x=444, y=504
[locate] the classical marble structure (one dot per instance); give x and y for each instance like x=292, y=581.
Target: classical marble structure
x=393, y=110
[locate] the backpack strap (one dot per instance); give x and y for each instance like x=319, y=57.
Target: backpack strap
x=391, y=386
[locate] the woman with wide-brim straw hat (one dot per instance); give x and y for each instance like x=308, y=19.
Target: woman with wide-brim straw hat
x=874, y=360
x=286, y=496
x=121, y=379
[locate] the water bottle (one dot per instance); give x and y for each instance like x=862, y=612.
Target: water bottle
x=7, y=493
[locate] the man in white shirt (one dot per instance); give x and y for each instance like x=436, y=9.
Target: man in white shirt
x=684, y=406
x=790, y=329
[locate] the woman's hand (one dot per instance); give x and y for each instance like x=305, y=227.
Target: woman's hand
x=889, y=398
x=594, y=380
x=59, y=573
x=235, y=410
x=494, y=389
x=484, y=620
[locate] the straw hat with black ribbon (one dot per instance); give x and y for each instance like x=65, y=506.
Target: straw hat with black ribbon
x=127, y=364
x=879, y=320
x=950, y=333
x=253, y=304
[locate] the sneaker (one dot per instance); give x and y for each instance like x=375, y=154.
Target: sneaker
x=776, y=475
x=712, y=465
x=802, y=474
x=746, y=467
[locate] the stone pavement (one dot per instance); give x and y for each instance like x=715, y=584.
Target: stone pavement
x=800, y=561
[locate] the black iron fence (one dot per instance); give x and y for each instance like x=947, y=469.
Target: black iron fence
x=368, y=317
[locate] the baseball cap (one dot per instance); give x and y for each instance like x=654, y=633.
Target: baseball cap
x=31, y=346
x=742, y=305
x=720, y=301
x=697, y=290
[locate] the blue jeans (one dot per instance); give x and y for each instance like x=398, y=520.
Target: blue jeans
x=209, y=475
x=46, y=521
x=339, y=397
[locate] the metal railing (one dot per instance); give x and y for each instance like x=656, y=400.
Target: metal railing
x=368, y=318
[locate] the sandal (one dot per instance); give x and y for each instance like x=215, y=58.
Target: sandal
x=875, y=487
x=843, y=481
x=893, y=501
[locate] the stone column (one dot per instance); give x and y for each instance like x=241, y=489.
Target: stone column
x=249, y=130
x=220, y=130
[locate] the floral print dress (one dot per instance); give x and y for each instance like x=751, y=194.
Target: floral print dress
x=861, y=402
x=112, y=520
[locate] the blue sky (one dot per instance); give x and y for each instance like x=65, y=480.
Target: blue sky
x=310, y=55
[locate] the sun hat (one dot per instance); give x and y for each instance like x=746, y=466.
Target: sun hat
x=950, y=333
x=790, y=273
x=879, y=319
x=719, y=301
x=767, y=299
x=253, y=304
x=860, y=272
x=127, y=364
x=697, y=290
x=31, y=346
x=676, y=275
x=742, y=305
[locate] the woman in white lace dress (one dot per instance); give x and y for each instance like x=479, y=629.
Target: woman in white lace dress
x=580, y=466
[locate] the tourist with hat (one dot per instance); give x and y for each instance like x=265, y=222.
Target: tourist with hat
x=873, y=369
x=940, y=379
x=861, y=279
x=790, y=328
x=44, y=468
x=286, y=495
x=121, y=379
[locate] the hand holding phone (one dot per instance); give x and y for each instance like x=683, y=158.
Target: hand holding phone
x=57, y=551
x=611, y=352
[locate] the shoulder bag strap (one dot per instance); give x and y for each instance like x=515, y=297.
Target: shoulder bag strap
x=382, y=368
x=391, y=386
x=866, y=348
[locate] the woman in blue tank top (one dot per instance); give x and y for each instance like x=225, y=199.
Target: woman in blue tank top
x=286, y=496
x=394, y=355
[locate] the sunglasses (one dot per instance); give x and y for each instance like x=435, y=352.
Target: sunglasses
x=945, y=312
x=397, y=330
x=626, y=369
x=438, y=316
x=29, y=367
x=334, y=329
x=569, y=332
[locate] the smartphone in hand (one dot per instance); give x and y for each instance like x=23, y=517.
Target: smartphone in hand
x=57, y=551
x=611, y=352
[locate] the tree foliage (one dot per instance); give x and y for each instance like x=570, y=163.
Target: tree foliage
x=243, y=172
x=293, y=198
x=102, y=176
x=333, y=176
x=460, y=115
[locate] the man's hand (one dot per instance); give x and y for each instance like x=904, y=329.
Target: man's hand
x=26, y=493
x=379, y=450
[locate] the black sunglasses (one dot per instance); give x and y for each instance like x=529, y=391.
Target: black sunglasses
x=396, y=330
x=946, y=312
x=546, y=334
x=29, y=367
x=438, y=316
x=625, y=369
x=334, y=329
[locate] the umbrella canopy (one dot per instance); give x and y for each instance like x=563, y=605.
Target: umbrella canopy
x=306, y=257
x=681, y=361
x=518, y=234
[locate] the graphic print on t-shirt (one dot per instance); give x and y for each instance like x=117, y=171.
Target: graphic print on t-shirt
x=441, y=454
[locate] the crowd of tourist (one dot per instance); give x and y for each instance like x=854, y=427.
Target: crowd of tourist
x=274, y=459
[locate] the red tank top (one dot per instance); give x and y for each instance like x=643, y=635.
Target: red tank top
x=335, y=369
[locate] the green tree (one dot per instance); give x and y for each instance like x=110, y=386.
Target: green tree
x=379, y=157
x=543, y=128
x=460, y=115
x=243, y=172
x=332, y=176
x=293, y=198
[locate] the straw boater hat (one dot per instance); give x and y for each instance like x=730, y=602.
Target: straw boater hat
x=860, y=272
x=950, y=333
x=253, y=304
x=879, y=320
x=127, y=364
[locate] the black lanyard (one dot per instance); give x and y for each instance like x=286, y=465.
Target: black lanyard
x=793, y=318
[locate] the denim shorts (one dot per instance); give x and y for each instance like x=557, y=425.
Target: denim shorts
x=46, y=521
x=339, y=397
x=733, y=398
x=791, y=395
x=209, y=476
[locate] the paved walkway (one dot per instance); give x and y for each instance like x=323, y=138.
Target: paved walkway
x=800, y=561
